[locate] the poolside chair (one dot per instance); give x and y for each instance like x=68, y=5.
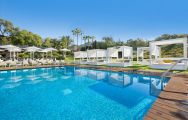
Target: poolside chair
x=25, y=63
x=19, y=63
x=33, y=62
x=61, y=62
x=43, y=61
x=11, y=63
x=49, y=61
x=56, y=62
x=162, y=64
x=3, y=63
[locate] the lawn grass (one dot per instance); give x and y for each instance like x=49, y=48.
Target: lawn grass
x=69, y=59
x=136, y=66
x=147, y=68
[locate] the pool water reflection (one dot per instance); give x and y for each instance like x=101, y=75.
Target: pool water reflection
x=75, y=93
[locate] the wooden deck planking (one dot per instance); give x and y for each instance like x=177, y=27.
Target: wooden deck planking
x=172, y=103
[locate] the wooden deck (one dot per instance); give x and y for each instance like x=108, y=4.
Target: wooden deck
x=172, y=103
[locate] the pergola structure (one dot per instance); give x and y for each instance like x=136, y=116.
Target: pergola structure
x=97, y=56
x=140, y=55
x=157, y=62
x=120, y=56
x=80, y=57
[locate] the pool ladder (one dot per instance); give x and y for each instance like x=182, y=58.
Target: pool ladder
x=167, y=72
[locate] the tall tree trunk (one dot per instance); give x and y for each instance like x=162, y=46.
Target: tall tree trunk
x=85, y=44
x=88, y=43
x=92, y=44
x=77, y=41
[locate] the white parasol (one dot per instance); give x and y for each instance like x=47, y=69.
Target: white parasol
x=11, y=48
x=65, y=50
x=32, y=49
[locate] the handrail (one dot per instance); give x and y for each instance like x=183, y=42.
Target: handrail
x=165, y=73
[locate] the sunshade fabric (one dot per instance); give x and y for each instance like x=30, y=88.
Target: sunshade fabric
x=80, y=54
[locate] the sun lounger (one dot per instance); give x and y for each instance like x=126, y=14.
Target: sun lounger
x=25, y=63
x=11, y=63
x=33, y=62
x=3, y=63
x=164, y=66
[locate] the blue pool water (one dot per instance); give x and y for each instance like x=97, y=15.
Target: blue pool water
x=72, y=93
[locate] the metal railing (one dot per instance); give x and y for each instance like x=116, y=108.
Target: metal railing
x=165, y=73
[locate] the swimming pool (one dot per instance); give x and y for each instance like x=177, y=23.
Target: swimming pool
x=75, y=93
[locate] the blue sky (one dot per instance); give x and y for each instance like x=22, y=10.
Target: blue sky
x=121, y=19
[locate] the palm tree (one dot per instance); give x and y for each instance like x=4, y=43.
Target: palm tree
x=92, y=39
x=88, y=40
x=77, y=32
x=66, y=41
x=85, y=38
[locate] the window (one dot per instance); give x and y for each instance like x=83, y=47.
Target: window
x=120, y=54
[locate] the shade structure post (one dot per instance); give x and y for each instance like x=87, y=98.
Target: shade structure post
x=16, y=55
x=10, y=54
x=96, y=56
x=51, y=54
x=87, y=55
x=65, y=54
x=185, y=45
x=13, y=55
x=150, y=53
x=123, y=52
x=33, y=55
x=30, y=55
x=137, y=55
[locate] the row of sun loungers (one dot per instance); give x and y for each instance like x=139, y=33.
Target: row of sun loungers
x=27, y=62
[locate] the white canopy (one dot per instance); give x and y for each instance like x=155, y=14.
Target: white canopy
x=91, y=53
x=155, y=46
x=155, y=55
x=44, y=51
x=96, y=53
x=80, y=54
x=48, y=50
x=140, y=51
x=7, y=46
x=112, y=52
x=32, y=49
x=140, y=54
x=170, y=41
x=51, y=49
x=14, y=49
x=11, y=48
x=101, y=53
x=126, y=51
x=64, y=50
